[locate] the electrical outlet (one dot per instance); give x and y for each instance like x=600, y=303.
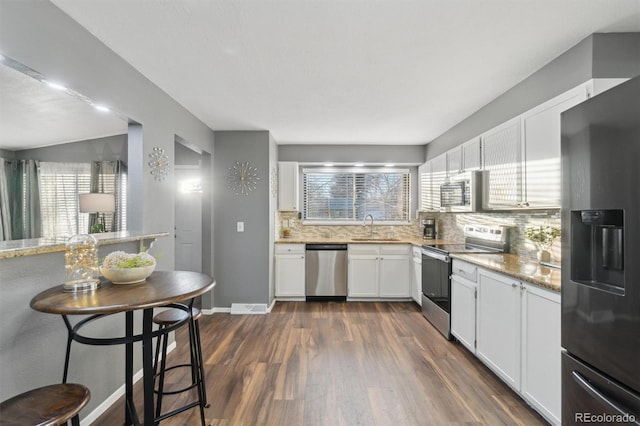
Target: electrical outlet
x=240, y=226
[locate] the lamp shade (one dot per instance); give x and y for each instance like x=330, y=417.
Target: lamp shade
x=97, y=203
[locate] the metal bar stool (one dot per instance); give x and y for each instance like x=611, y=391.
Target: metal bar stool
x=165, y=319
x=48, y=405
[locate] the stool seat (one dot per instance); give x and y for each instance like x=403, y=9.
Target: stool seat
x=172, y=316
x=48, y=405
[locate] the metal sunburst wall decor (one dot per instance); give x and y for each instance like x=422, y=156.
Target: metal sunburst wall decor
x=159, y=163
x=242, y=178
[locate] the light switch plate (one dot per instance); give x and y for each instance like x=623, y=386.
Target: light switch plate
x=240, y=226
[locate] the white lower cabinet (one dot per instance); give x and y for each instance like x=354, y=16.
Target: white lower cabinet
x=499, y=325
x=362, y=279
x=290, y=270
x=516, y=327
x=416, y=275
x=541, y=351
x=379, y=271
x=463, y=303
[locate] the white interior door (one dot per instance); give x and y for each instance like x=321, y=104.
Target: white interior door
x=188, y=241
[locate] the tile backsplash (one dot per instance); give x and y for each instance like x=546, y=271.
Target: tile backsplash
x=450, y=227
x=411, y=230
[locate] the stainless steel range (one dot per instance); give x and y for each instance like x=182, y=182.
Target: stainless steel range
x=436, y=270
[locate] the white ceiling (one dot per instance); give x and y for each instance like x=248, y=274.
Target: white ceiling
x=349, y=71
x=33, y=115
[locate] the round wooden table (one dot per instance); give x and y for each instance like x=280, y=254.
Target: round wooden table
x=161, y=289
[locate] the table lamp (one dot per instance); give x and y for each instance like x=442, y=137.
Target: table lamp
x=99, y=204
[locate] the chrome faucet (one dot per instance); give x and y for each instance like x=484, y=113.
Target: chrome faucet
x=364, y=223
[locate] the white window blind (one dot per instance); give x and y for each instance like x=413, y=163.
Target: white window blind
x=60, y=184
x=341, y=195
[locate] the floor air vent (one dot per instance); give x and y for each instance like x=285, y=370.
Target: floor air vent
x=244, y=308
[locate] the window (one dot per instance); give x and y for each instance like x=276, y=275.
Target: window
x=348, y=195
x=60, y=184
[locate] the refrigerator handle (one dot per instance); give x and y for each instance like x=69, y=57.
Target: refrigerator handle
x=593, y=391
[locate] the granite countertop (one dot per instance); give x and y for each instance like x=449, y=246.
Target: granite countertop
x=416, y=241
x=15, y=248
x=515, y=266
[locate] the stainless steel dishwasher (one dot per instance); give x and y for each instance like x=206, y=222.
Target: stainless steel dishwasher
x=326, y=271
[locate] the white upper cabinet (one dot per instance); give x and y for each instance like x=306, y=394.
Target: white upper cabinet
x=424, y=186
x=522, y=156
x=471, y=159
x=288, y=186
x=432, y=174
x=541, y=144
x=502, y=160
x=454, y=161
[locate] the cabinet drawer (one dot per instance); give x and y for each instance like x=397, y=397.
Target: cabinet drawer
x=465, y=270
x=289, y=249
x=363, y=249
x=394, y=249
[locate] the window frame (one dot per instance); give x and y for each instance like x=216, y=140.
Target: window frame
x=355, y=170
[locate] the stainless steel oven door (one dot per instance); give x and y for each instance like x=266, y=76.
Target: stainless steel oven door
x=436, y=290
x=436, y=269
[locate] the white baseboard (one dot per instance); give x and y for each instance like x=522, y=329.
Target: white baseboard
x=113, y=398
x=228, y=310
x=248, y=308
x=273, y=302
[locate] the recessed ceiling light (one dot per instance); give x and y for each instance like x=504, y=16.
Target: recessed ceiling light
x=101, y=108
x=359, y=164
x=389, y=165
x=328, y=164
x=56, y=86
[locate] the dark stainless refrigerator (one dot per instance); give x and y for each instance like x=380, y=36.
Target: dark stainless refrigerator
x=601, y=258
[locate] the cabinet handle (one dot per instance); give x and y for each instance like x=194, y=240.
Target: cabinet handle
x=381, y=258
x=514, y=285
x=301, y=257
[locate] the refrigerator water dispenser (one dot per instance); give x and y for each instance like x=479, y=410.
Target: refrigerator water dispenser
x=597, y=249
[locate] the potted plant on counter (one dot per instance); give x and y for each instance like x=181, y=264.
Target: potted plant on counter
x=543, y=237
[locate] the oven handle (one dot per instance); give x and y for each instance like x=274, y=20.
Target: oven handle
x=439, y=256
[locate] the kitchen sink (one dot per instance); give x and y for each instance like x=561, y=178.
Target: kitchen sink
x=374, y=239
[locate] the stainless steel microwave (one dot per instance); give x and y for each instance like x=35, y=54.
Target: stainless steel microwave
x=462, y=193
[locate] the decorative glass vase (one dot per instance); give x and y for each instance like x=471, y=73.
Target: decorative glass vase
x=81, y=264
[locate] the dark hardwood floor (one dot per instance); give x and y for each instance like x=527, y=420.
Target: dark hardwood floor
x=338, y=364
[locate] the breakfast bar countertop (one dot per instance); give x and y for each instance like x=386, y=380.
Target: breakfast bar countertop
x=29, y=247
x=517, y=267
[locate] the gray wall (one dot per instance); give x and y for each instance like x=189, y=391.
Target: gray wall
x=186, y=156
x=241, y=259
x=32, y=344
x=398, y=154
x=597, y=56
x=102, y=149
x=412, y=154
x=41, y=36
x=5, y=153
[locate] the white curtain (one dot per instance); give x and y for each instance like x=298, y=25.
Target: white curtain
x=5, y=216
